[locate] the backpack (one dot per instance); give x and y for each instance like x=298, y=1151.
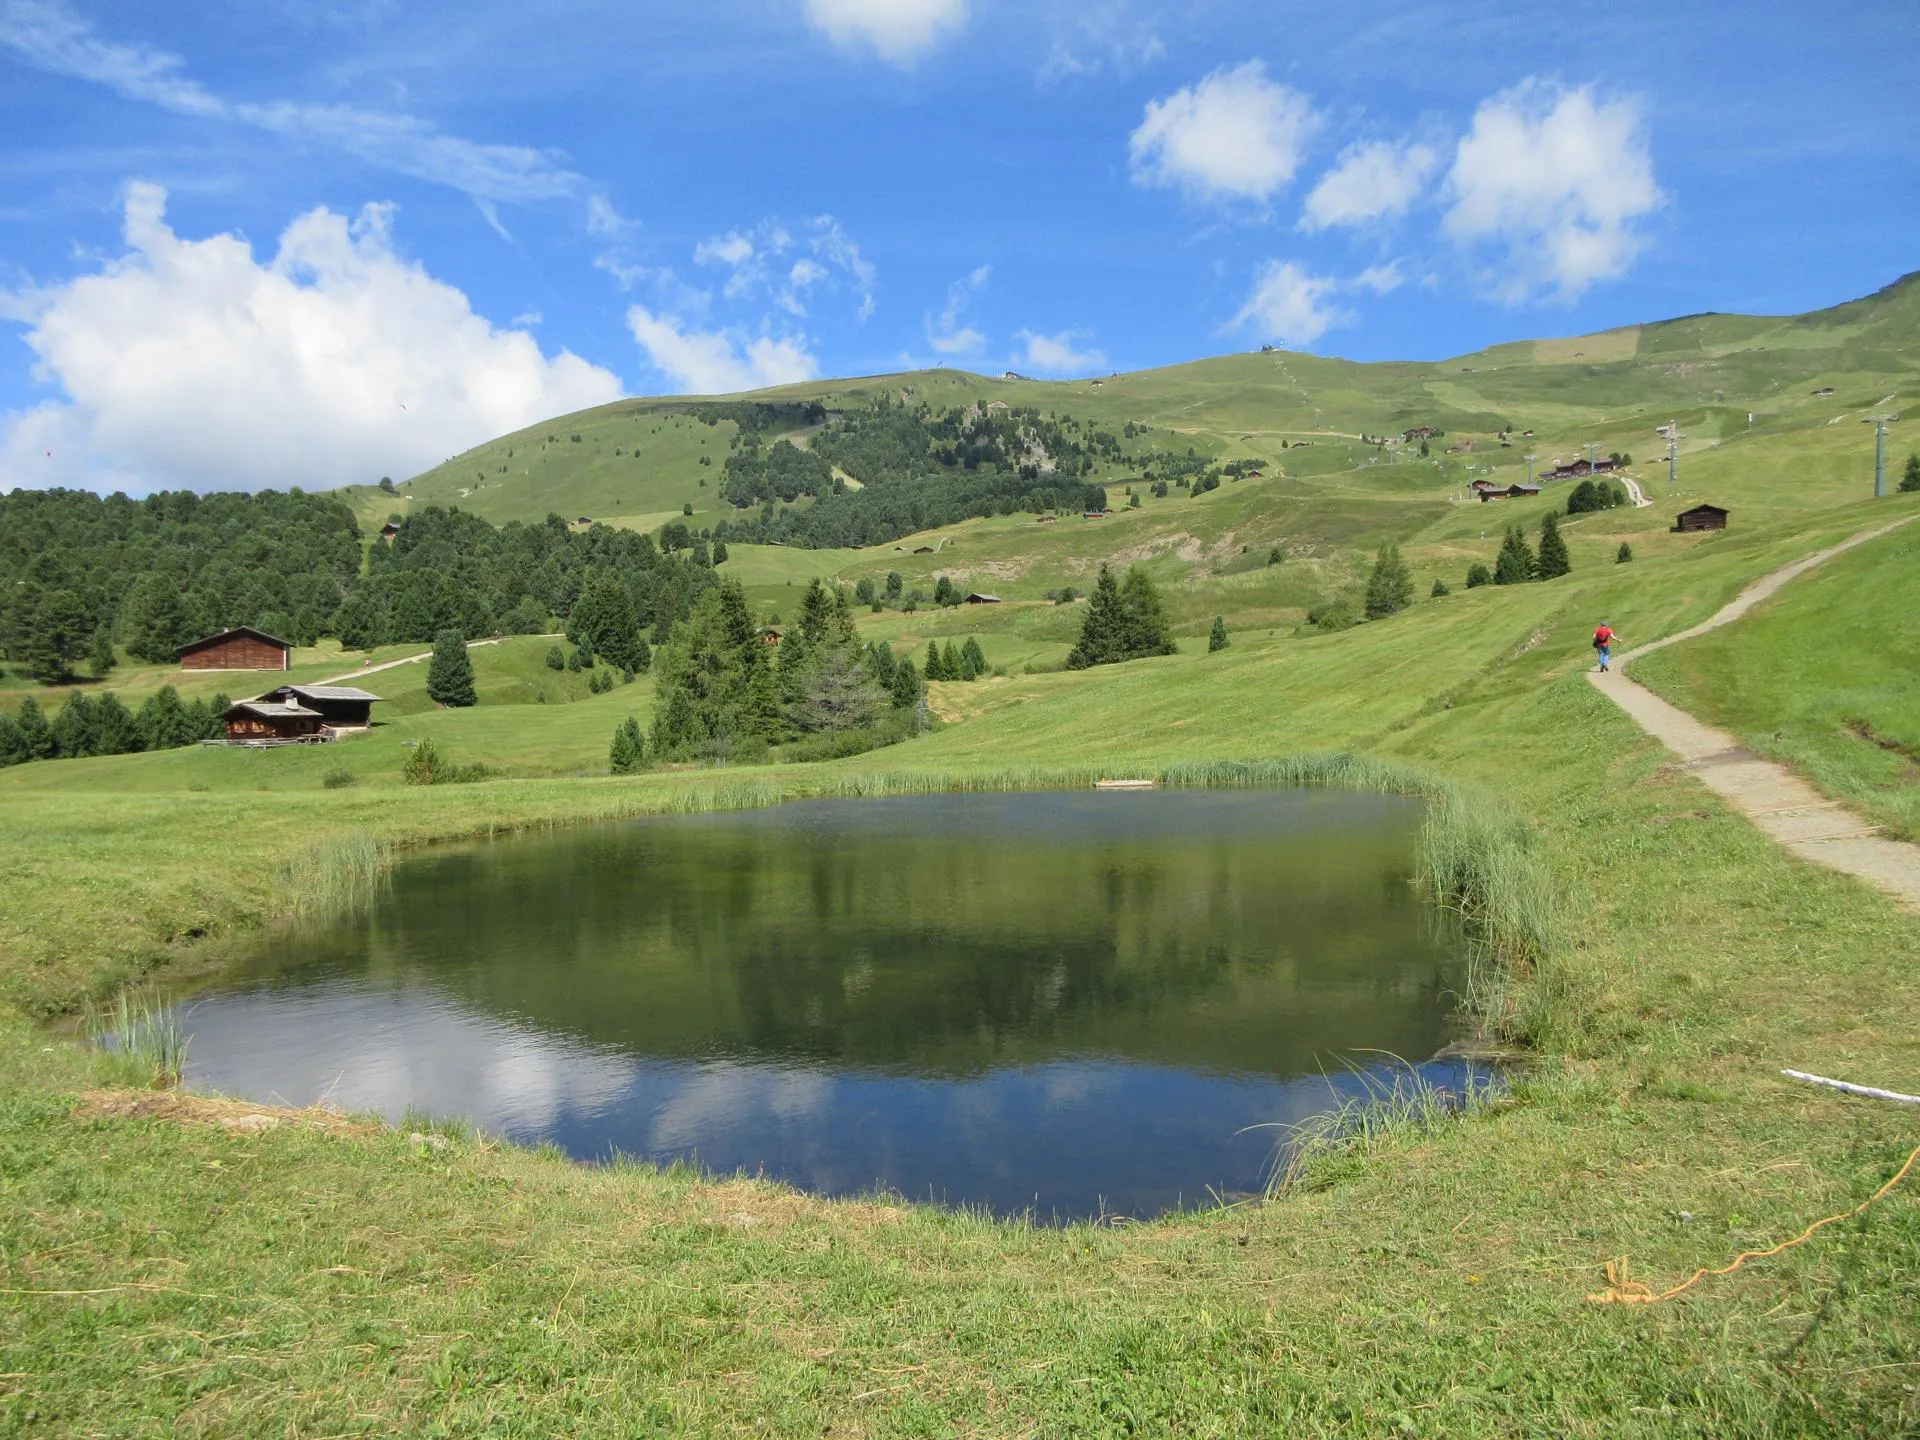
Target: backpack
x=1598, y=641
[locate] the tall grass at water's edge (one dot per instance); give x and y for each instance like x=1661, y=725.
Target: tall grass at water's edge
x=141, y=1036
x=335, y=877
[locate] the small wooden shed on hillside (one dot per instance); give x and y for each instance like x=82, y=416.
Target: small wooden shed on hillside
x=242, y=648
x=269, y=722
x=1701, y=517
x=341, y=707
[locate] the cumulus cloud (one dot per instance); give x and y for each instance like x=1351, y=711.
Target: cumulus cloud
x=898, y=31
x=718, y=362
x=1234, y=136
x=1554, y=182
x=49, y=36
x=948, y=334
x=189, y=362
x=1373, y=181
x=1056, y=354
x=1290, y=306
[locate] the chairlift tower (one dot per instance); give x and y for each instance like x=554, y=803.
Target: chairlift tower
x=1879, y=423
x=1532, y=455
x=1674, y=437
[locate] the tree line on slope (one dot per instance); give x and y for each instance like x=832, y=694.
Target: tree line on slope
x=80, y=573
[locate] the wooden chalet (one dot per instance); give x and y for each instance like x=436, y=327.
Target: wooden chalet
x=1046, y=519
x=769, y=636
x=1093, y=515
x=1515, y=491
x=976, y=598
x=389, y=530
x=269, y=722
x=1701, y=517
x=923, y=549
x=341, y=707
x=242, y=648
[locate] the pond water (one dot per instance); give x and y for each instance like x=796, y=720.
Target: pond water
x=1057, y=1003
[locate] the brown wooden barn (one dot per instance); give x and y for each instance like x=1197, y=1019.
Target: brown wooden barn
x=242, y=648
x=341, y=707
x=1701, y=517
x=266, y=722
x=977, y=598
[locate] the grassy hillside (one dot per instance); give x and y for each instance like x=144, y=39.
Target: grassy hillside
x=159, y=1272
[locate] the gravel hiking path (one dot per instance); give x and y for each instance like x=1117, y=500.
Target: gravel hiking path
x=1635, y=493
x=1772, y=796
x=403, y=660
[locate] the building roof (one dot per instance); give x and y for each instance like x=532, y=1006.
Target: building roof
x=978, y=598
x=233, y=634
x=1703, y=509
x=326, y=692
x=274, y=710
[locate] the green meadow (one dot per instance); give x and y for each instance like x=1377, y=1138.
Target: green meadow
x=165, y=1274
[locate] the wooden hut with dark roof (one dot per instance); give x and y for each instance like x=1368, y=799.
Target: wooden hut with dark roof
x=241, y=648
x=1701, y=517
x=342, y=707
x=270, y=722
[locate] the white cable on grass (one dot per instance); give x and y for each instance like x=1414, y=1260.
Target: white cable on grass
x=1869, y=1091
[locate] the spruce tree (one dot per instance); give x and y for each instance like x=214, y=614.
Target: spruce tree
x=13, y=745
x=880, y=661
x=100, y=657
x=604, y=623
x=1515, y=563
x=114, y=730
x=907, y=687
x=628, y=752
x=164, y=721
x=973, y=660
x=73, y=727
x=1102, y=633
x=951, y=663
x=717, y=691
x=1390, y=586
x=1146, y=631
x=1623, y=554
x=936, y=666
x=450, y=671
x=153, y=619
x=1554, y=560
x=35, y=733
x=1217, y=637
x=1910, y=481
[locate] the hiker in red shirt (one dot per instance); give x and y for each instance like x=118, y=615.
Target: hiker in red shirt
x=1603, y=639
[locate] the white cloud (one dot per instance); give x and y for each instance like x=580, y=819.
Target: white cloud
x=1374, y=181
x=48, y=35
x=757, y=262
x=1056, y=354
x=899, y=31
x=1234, y=136
x=187, y=362
x=718, y=362
x=947, y=334
x=1289, y=306
x=1381, y=279
x=1556, y=181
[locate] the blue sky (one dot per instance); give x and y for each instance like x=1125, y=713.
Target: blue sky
x=316, y=241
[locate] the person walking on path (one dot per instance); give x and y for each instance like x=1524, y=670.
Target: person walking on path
x=1603, y=639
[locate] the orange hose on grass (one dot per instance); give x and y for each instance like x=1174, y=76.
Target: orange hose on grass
x=1623, y=1290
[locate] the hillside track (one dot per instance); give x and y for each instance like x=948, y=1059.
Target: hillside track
x=403, y=660
x=1775, y=799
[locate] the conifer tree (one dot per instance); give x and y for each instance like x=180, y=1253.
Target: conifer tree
x=880, y=661
x=114, y=730
x=628, y=752
x=1440, y=587
x=907, y=686
x=1623, y=554
x=1515, y=563
x=35, y=733
x=951, y=663
x=973, y=660
x=164, y=721
x=1910, y=481
x=450, y=672
x=1554, y=560
x=1390, y=586
x=936, y=665
x=1146, y=630
x=1102, y=633
x=717, y=690
x=100, y=657
x=73, y=727
x=13, y=745
x=1217, y=637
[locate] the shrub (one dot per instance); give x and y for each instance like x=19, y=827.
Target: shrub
x=1910, y=480
x=1217, y=637
x=1335, y=614
x=1274, y=557
x=1624, y=554
x=424, y=763
x=338, y=778
x=1477, y=575
x=1440, y=587
x=556, y=658
x=629, y=751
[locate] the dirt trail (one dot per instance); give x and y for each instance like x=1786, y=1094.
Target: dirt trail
x=389, y=664
x=1635, y=493
x=1772, y=796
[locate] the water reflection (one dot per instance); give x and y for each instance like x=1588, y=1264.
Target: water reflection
x=1057, y=1002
